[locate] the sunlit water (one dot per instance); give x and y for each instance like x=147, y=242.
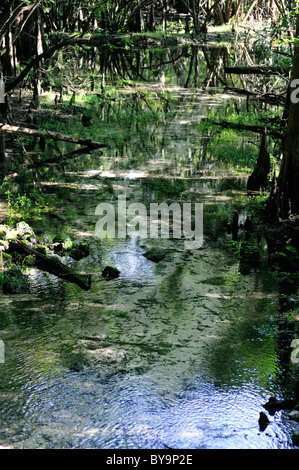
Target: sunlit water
x=187, y=364
x=180, y=354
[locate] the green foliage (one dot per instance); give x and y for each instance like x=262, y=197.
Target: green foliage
x=24, y=198
x=114, y=314
x=278, y=34
x=76, y=254
x=256, y=207
x=228, y=147
x=29, y=260
x=234, y=245
x=13, y=281
x=117, y=115
x=41, y=249
x=244, y=116
x=167, y=187
x=232, y=147
x=58, y=239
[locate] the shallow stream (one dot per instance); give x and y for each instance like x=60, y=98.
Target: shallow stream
x=182, y=353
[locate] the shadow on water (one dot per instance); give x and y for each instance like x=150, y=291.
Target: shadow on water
x=181, y=353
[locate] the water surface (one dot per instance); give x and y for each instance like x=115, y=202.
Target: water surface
x=181, y=353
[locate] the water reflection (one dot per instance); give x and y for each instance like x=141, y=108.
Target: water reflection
x=179, y=354
x=182, y=368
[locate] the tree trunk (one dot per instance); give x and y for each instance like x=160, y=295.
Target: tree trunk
x=138, y=19
x=9, y=56
x=39, y=50
x=259, y=177
x=164, y=13
x=181, y=7
x=239, y=4
x=249, y=11
x=288, y=180
x=2, y=147
x=228, y=10
x=218, y=15
x=80, y=19
x=195, y=18
x=4, y=114
x=152, y=24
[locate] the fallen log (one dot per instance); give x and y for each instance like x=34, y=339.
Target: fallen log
x=265, y=97
x=246, y=127
x=238, y=91
x=51, y=265
x=50, y=135
x=259, y=70
x=274, y=405
x=259, y=177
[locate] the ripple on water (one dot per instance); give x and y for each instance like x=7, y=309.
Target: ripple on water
x=189, y=366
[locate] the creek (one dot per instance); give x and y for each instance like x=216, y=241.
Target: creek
x=181, y=353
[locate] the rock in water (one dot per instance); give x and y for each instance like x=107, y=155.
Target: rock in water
x=274, y=404
x=263, y=421
x=155, y=254
x=76, y=254
x=110, y=273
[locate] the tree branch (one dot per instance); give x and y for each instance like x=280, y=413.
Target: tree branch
x=12, y=17
x=45, y=55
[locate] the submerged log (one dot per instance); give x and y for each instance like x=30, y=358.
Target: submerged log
x=52, y=265
x=50, y=135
